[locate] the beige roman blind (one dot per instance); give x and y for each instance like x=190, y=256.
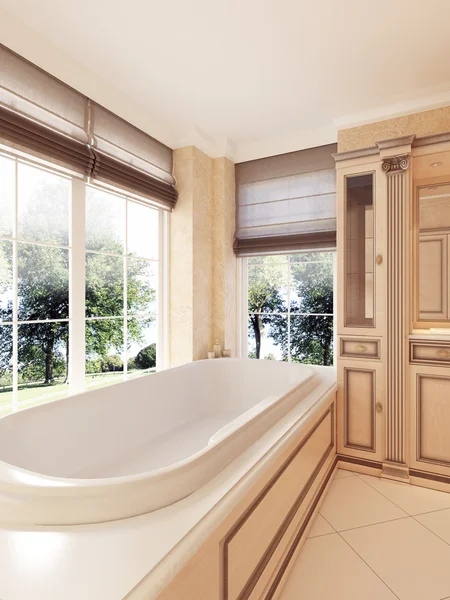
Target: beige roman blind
x=286, y=203
x=43, y=116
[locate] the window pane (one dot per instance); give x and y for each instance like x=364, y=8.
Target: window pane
x=142, y=286
x=6, y=280
x=267, y=286
x=43, y=206
x=312, y=286
x=312, y=339
x=306, y=257
x=42, y=362
x=104, y=285
x=141, y=346
x=7, y=195
x=143, y=229
x=105, y=221
x=104, y=352
x=268, y=336
x=43, y=282
x=6, y=346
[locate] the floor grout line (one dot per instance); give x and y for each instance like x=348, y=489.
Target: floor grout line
x=428, y=512
x=353, y=550
x=327, y=521
x=433, y=532
x=373, y=524
x=367, y=564
x=402, y=509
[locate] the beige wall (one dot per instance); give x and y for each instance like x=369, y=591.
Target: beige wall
x=429, y=122
x=202, y=270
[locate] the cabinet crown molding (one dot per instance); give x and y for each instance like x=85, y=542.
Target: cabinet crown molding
x=395, y=164
x=406, y=140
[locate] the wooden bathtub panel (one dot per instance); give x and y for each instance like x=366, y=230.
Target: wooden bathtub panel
x=261, y=525
x=288, y=549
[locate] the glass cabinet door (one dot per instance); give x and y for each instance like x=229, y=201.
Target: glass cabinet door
x=359, y=231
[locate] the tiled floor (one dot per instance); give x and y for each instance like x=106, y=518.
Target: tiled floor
x=375, y=540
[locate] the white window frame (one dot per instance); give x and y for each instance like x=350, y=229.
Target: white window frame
x=243, y=313
x=77, y=273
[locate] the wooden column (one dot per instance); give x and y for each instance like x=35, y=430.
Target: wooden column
x=399, y=200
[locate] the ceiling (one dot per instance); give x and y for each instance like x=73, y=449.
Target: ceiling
x=241, y=78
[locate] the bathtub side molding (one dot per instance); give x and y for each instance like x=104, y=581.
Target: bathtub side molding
x=249, y=555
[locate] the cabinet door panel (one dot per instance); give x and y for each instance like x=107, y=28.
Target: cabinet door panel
x=361, y=238
x=433, y=277
x=430, y=419
x=360, y=418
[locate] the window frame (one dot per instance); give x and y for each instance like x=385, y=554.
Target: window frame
x=243, y=312
x=77, y=273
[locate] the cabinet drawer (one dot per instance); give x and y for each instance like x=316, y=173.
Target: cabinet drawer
x=434, y=353
x=359, y=348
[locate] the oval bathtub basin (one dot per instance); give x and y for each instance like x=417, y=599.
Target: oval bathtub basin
x=137, y=446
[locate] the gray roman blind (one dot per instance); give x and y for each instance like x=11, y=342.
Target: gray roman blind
x=286, y=203
x=45, y=117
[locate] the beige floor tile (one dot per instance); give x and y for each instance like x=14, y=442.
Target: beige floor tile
x=410, y=498
x=328, y=569
x=438, y=522
x=320, y=527
x=411, y=560
x=341, y=473
x=350, y=503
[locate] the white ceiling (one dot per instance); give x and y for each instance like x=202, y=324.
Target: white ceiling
x=242, y=78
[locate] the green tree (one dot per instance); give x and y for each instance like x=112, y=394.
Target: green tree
x=111, y=363
x=43, y=289
x=311, y=337
x=146, y=358
x=266, y=279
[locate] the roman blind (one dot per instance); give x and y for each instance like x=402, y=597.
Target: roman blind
x=43, y=116
x=286, y=203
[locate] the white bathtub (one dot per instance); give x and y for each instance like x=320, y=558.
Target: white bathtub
x=137, y=446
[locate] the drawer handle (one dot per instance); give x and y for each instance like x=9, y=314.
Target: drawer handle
x=379, y=259
x=379, y=407
x=443, y=353
x=361, y=348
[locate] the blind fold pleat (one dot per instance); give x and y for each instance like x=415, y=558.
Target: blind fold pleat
x=43, y=116
x=33, y=137
x=286, y=203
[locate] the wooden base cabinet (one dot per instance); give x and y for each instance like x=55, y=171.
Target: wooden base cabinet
x=360, y=409
x=430, y=419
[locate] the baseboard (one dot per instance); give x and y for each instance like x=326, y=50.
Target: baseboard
x=360, y=465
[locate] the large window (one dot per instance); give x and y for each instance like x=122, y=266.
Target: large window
x=290, y=307
x=80, y=282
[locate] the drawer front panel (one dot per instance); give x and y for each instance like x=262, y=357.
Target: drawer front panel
x=433, y=353
x=359, y=348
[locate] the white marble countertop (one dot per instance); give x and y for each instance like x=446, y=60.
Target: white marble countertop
x=136, y=557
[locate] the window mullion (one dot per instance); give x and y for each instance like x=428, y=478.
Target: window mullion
x=162, y=326
x=125, y=296
x=289, y=309
x=15, y=353
x=77, y=310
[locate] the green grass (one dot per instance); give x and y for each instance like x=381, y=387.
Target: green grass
x=33, y=394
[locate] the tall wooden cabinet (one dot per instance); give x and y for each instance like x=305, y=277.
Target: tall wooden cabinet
x=393, y=321
x=361, y=307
